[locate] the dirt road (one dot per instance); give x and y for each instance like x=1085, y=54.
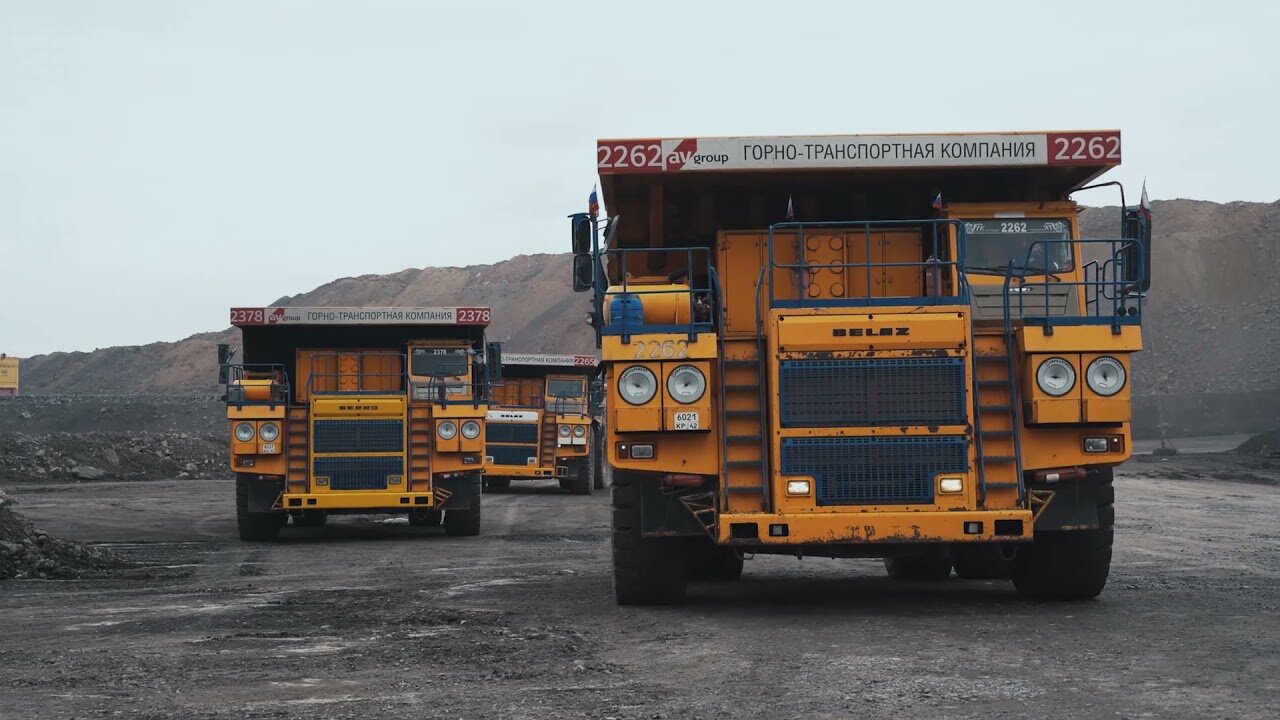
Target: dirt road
x=376, y=619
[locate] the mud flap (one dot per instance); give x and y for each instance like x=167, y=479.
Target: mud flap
x=663, y=515
x=460, y=491
x=264, y=494
x=1074, y=505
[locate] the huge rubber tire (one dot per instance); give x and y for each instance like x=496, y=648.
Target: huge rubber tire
x=646, y=571
x=425, y=518
x=580, y=480
x=708, y=561
x=465, y=522
x=930, y=564
x=565, y=483
x=255, y=526
x=983, y=561
x=1070, y=565
x=310, y=518
x=497, y=483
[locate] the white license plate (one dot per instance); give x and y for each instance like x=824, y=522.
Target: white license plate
x=687, y=421
x=268, y=447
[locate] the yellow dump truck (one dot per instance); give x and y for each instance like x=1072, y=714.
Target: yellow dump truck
x=358, y=410
x=8, y=375
x=893, y=346
x=543, y=423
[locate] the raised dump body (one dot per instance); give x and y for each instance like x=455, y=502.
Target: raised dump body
x=893, y=346
x=358, y=410
x=544, y=424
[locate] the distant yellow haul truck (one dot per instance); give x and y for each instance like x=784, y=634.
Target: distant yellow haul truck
x=358, y=410
x=8, y=375
x=543, y=423
x=863, y=346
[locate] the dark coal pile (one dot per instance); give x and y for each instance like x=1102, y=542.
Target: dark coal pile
x=28, y=552
x=1267, y=444
x=101, y=456
x=43, y=414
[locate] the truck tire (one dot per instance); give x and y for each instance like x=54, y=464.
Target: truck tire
x=580, y=480
x=1071, y=564
x=983, y=561
x=930, y=564
x=646, y=571
x=310, y=518
x=425, y=518
x=255, y=526
x=462, y=523
x=708, y=561
x=497, y=483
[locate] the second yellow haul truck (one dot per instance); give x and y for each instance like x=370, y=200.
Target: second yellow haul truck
x=890, y=346
x=543, y=423
x=358, y=410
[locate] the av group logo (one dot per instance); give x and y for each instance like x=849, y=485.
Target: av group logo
x=684, y=155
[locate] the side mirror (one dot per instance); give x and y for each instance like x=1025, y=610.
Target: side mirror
x=583, y=273
x=493, y=362
x=1135, y=257
x=224, y=357
x=581, y=235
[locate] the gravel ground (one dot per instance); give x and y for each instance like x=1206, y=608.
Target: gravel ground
x=368, y=618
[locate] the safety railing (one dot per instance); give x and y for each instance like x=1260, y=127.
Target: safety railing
x=1108, y=293
x=932, y=268
x=627, y=302
x=238, y=393
x=569, y=406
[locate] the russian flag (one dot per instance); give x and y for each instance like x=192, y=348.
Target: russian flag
x=593, y=204
x=1144, y=205
x=937, y=202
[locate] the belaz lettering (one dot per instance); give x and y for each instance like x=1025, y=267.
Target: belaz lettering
x=357, y=408
x=871, y=332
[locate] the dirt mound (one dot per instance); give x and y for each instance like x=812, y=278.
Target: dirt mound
x=103, y=456
x=44, y=414
x=28, y=552
x=1267, y=443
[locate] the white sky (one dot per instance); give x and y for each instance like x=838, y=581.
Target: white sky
x=161, y=161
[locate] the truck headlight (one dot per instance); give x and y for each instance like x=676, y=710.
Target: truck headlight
x=1056, y=376
x=564, y=431
x=448, y=430
x=1105, y=376
x=269, y=432
x=637, y=385
x=471, y=429
x=579, y=431
x=686, y=384
x=244, y=432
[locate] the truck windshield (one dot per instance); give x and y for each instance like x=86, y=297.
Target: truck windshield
x=992, y=243
x=438, y=362
x=564, y=388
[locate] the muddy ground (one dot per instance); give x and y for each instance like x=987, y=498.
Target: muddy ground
x=368, y=618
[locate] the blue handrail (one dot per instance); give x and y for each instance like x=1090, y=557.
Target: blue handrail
x=622, y=326
x=1101, y=282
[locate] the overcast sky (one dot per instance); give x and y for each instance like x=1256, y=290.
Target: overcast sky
x=161, y=161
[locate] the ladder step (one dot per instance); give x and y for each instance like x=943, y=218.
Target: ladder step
x=992, y=383
x=743, y=414
x=995, y=408
x=998, y=459
x=740, y=490
x=743, y=463
x=742, y=438
x=741, y=388
x=1001, y=484
x=991, y=358
x=997, y=433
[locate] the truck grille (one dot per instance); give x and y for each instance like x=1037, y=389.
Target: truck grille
x=342, y=436
x=368, y=473
x=512, y=454
x=871, y=392
x=525, y=433
x=870, y=470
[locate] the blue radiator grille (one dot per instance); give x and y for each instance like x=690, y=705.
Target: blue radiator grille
x=863, y=470
x=872, y=392
x=512, y=454
x=369, y=473
x=337, y=436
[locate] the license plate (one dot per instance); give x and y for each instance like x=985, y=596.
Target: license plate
x=268, y=447
x=687, y=421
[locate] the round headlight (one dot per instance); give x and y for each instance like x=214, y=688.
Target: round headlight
x=564, y=431
x=686, y=384
x=244, y=432
x=579, y=431
x=1105, y=376
x=269, y=432
x=637, y=385
x=448, y=430
x=1056, y=377
x=471, y=429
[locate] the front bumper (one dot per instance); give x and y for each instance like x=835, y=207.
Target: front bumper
x=874, y=527
x=355, y=500
x=521, y=472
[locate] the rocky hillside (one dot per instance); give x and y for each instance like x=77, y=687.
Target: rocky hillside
x=1211, y=317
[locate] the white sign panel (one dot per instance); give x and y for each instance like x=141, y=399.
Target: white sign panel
x=561, y=360
x=242, y=317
